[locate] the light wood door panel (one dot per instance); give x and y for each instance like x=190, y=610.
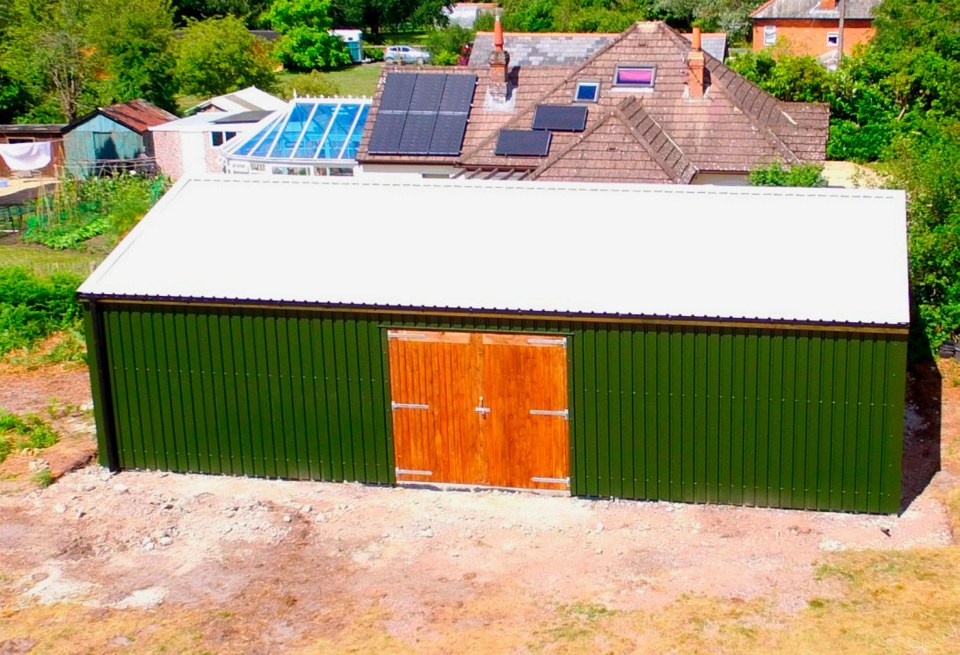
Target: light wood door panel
x=525, y=387
x=480, y=408
x=434, y=378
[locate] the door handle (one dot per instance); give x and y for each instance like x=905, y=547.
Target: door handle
x=480, y=409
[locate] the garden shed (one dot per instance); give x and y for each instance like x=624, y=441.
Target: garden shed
x=114, y=138
x=698, y=344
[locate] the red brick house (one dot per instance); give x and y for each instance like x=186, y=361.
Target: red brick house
x=812, y=27
x=648, y=106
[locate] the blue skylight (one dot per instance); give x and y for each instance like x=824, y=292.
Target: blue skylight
x=310, y=130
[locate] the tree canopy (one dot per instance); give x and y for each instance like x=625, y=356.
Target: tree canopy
x=305, y=42
x=220, y=55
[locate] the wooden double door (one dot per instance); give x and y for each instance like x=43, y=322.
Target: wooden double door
x=479, y=408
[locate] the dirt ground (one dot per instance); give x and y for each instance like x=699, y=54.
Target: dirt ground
x=258, y=566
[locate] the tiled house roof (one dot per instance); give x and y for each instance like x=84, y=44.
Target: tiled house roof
x=811, y=10
x=542, y=49
x=661, y=134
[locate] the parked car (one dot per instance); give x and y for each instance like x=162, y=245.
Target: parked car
x=405, y=54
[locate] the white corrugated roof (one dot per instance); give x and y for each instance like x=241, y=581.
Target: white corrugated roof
x=205, y=122
x=639, y=250
x=246, y=99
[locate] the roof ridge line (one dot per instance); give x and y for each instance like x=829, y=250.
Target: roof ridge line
x=675, y=175
x=587, y=62
x=752, y=116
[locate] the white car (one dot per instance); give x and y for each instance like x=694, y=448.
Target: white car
x=405, y=54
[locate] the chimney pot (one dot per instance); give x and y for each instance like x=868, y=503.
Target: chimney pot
x=828, y=4
x=497, y=34
x=695, y=41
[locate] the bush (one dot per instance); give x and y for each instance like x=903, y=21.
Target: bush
x=29, y=431
x=31, y=308
x=445, y=45
x=776, y=174
x=219, y=55
x=373, y=52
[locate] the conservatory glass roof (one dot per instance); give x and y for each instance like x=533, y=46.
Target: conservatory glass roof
x=309, y=130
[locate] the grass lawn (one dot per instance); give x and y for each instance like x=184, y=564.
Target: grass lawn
x=357, y=80
x=44, y=261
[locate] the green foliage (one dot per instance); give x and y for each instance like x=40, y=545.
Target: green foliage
x=28, y=431
x=927, y=165
x=730, y=16
x=790, y=78
x=63, y=58
x=32, y=307
x=484, y=22
x=219, y=55
x=373, y=52
x=247, y=10
x=82, y=209
x=446, y=44
x=43, y=478
x=776, y=174
x=377, y=16
x=305, y=42
x=311, y=84
x=133, y=46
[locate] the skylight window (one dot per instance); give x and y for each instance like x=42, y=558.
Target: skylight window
x=587, y=91
x=639, y=77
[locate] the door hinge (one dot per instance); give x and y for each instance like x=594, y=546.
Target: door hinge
x=551, y=412
x=401, y=471
x=406, y=336
x=565, y=481
x=539, y=341
x=395, y=405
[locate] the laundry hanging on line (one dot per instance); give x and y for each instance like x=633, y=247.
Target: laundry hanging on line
x=26, y=156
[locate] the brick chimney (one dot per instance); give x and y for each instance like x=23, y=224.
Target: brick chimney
x=499, y=62
x=696, y=67
x=828, y=4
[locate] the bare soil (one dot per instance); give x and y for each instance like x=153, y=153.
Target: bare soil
x=274, y=566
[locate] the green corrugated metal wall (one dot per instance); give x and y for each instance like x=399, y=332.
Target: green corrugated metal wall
x=770, y=417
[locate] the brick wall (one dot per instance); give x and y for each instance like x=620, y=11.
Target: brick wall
x=809, y=37
x=167, y=148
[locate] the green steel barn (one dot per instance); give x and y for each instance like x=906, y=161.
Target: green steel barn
x=697, y=344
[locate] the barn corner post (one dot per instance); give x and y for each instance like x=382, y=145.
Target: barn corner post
x=98, y=365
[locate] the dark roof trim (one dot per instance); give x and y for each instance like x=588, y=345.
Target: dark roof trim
x=731, y=322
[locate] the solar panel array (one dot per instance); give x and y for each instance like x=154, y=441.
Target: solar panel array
x=523, y=143
x=560, y=118
x=422, y=114
x=547, y=119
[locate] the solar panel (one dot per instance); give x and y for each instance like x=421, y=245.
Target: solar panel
x=448, y=134
x=397, y=91
x=458, y=93
x=417, y=132
x=422, y=114
x=523, y=143
x=561, y=118
x=427, y=92
x=387, y=130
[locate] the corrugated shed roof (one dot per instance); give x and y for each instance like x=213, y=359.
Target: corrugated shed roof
x=31, y=129
x=137, y=115
x=810, y=10
x=807, y=255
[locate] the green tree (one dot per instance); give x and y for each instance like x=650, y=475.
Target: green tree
x=47, y=54
x=219, y=55
x=731, y=16
x=375, y=15
x=133, y=46
x=247, y=10
x=305, y=42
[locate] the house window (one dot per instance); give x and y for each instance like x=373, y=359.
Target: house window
x=640, y=77
x=587, y=92
x=833, y=39
x=770, y=35
x=216, y=138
